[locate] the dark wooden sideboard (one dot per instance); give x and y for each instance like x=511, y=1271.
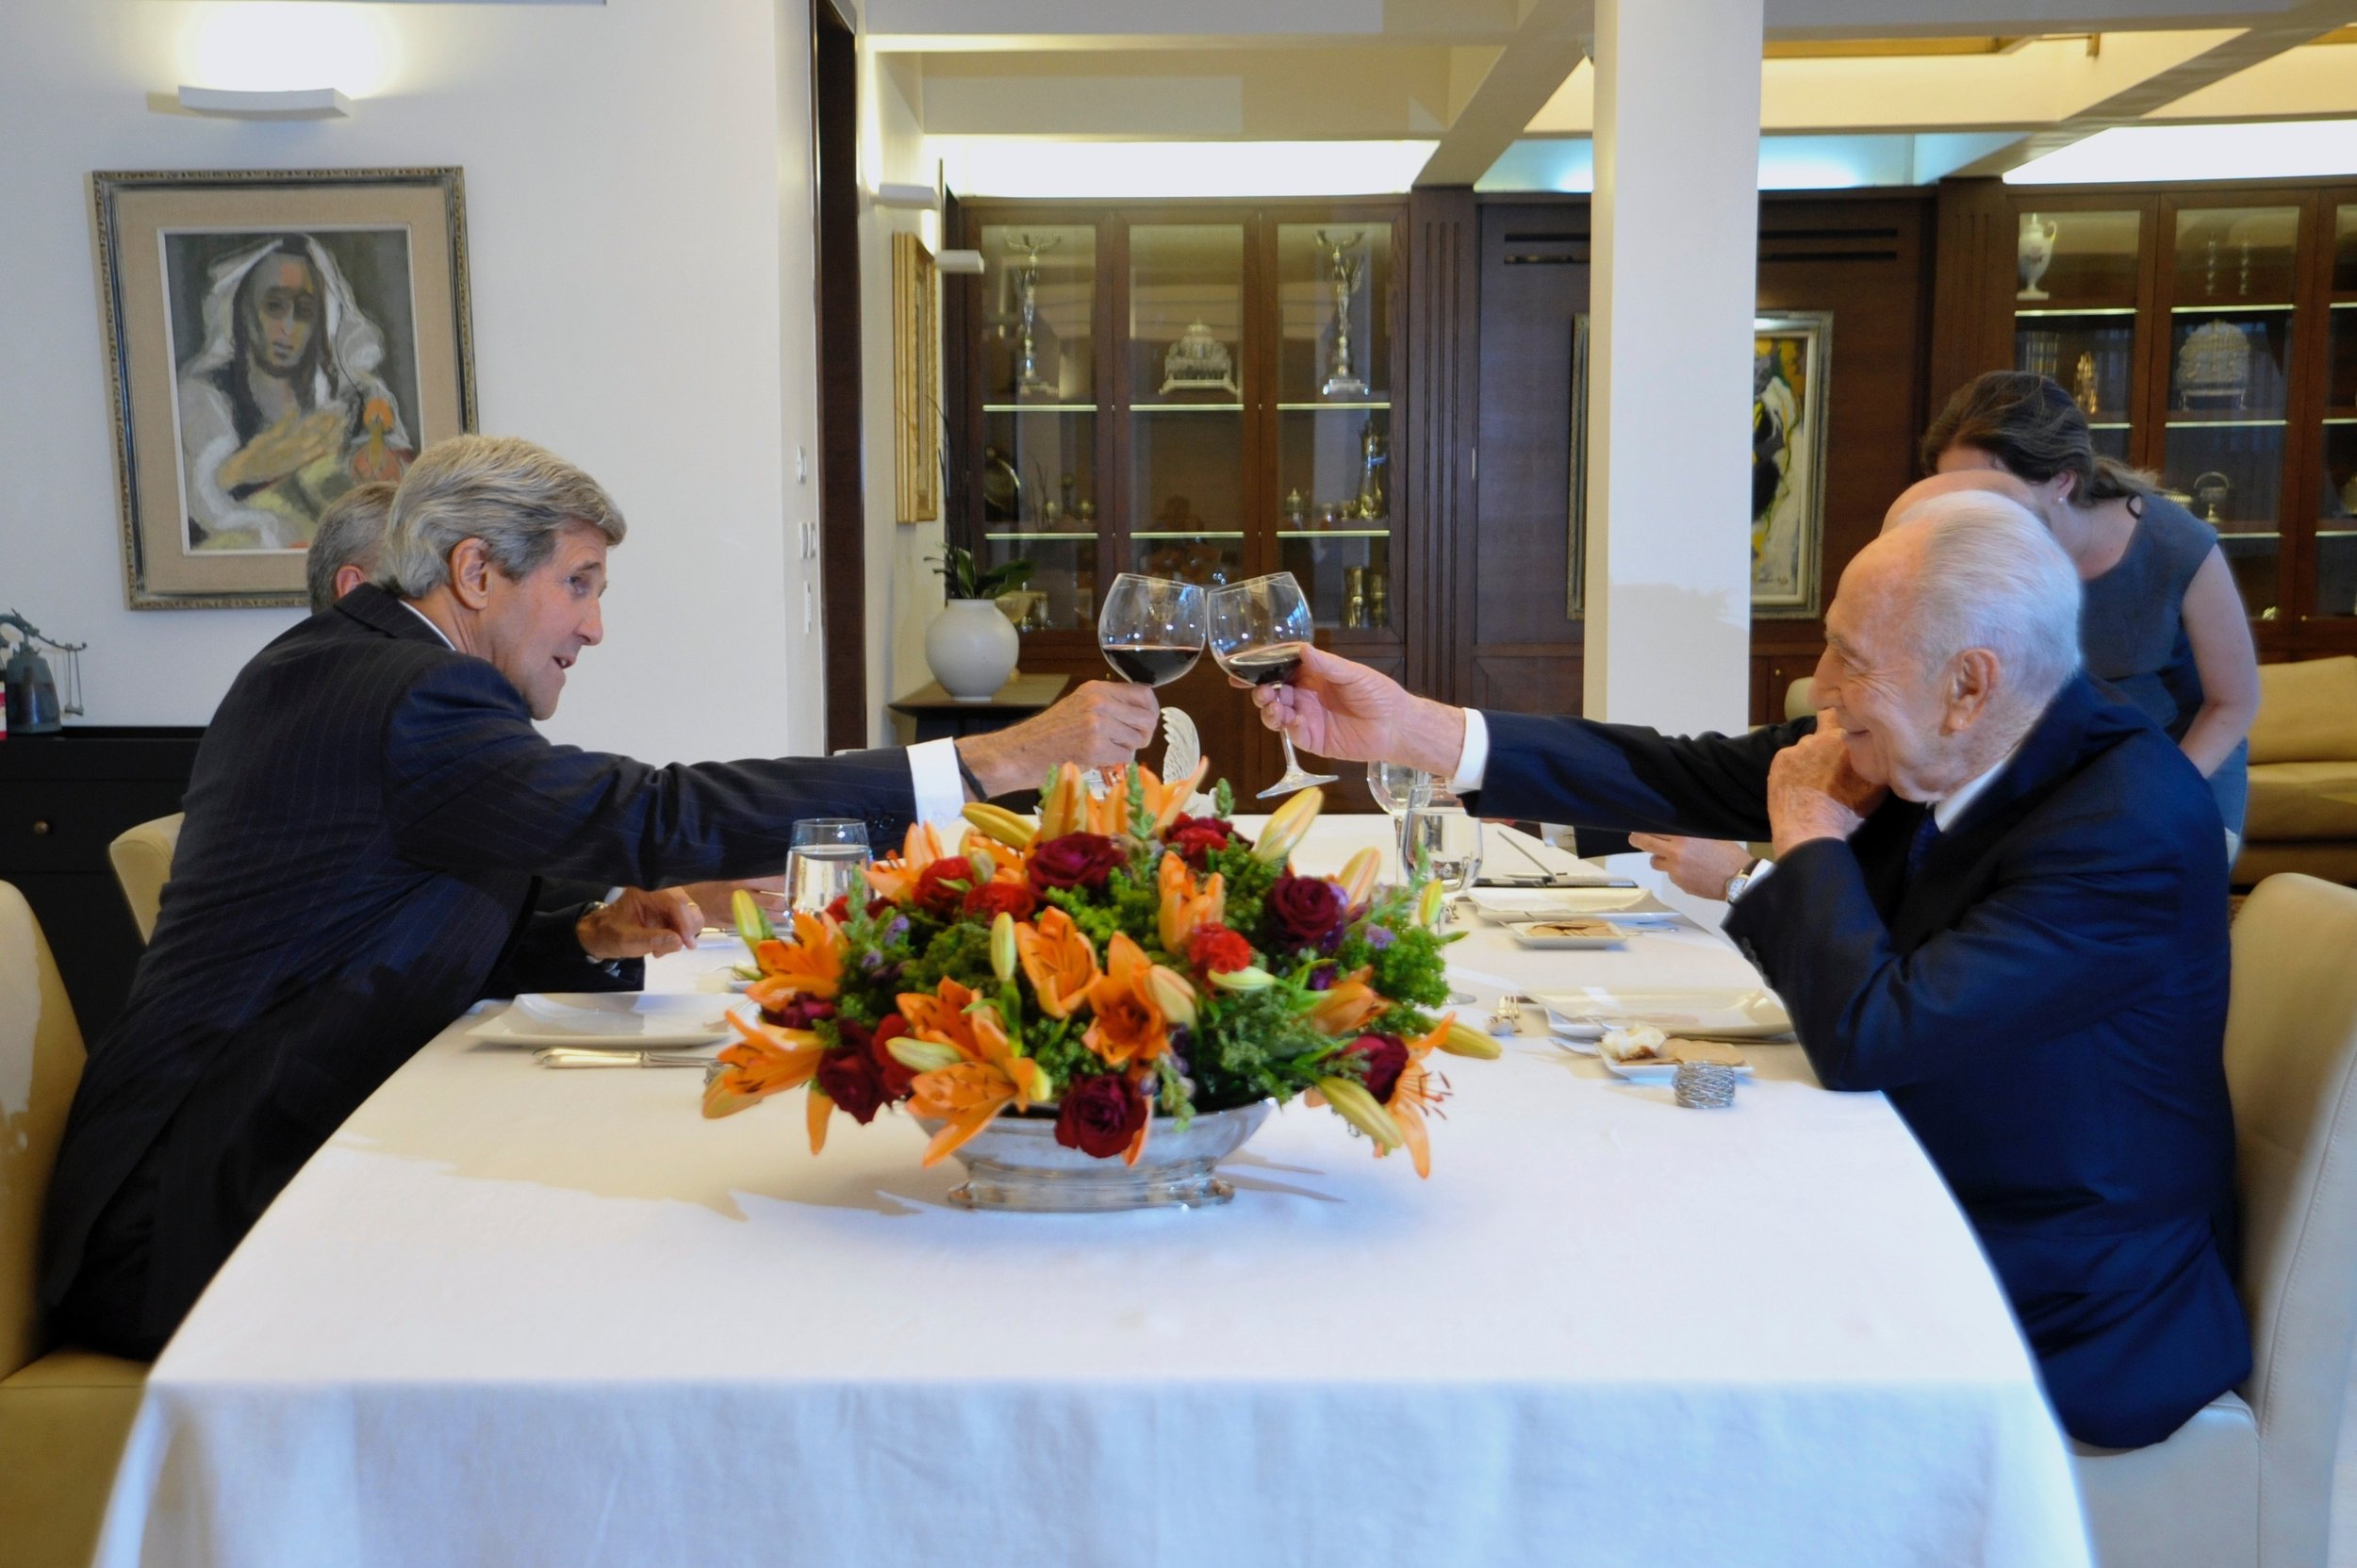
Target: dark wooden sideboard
x=63, y=799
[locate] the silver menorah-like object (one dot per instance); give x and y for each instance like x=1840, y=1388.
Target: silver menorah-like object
x=1029, y=248
x=1345, y=271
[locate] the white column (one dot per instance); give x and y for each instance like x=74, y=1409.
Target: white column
x=1676, y=241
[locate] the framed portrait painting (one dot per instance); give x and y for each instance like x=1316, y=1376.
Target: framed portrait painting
x=272, y=340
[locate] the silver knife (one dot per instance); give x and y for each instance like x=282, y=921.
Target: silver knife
x=591, y=1056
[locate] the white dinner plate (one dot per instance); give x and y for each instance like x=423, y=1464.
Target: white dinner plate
x=1581, y=931
x=1653, y=1070
x=627, y=1019
x=1508, y=905
x=1729, y=1015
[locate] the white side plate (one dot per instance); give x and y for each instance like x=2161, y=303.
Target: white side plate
x=1583, y=933
x=1734, y=1014
x=628, y=1019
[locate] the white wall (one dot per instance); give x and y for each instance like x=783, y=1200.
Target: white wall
x=637, y=208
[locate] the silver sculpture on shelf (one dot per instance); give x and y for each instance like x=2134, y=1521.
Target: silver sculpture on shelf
x=1028, y=248
x=2210, y=491
x=1199, y=362
x=1345, y=271
x=1374, y=502
x=2034, y=251
x=2213, y=367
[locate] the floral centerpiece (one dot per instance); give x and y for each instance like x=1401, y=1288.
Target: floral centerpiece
x=1116, y=959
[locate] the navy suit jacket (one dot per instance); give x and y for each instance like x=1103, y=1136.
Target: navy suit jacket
x=2044, y=1002
x=365, y=824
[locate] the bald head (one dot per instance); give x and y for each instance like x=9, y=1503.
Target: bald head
x=1986, y=480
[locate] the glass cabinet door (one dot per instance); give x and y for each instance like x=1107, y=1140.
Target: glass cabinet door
x=2231, y=290
x=1183, y=369
x=1038, y=365
x=1334, y=418
x=2336, y=495
x=2075, y=313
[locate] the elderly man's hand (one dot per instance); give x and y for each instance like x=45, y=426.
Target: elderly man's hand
x=716, y=900
x=640, y=924
x=1101, y=724
x=1347, y=711
x=1700, y=866
x=1813, y=792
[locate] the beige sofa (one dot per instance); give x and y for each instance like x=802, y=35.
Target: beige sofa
x=2303, y=773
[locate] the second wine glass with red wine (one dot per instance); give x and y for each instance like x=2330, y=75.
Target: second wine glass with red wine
x=1258, y=630
x=1151, y=628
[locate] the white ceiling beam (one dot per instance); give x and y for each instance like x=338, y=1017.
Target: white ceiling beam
x=943, y=26
x=1546, y=50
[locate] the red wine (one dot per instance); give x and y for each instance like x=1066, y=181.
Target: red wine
x=1151, y=664
x=1265, y=666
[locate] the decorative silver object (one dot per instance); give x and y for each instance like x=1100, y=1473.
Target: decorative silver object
x=1374, y=456
x=1016, y=1162
x=2213, y=367
x=2035, y=252
x=1344, y=271
x=1704, y=1085
x=1199, y=362
x=2210, y=491
x=1296, y=509
x=1029, y=248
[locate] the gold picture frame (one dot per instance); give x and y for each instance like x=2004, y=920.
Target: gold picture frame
x=272, y=337
x=915, y=382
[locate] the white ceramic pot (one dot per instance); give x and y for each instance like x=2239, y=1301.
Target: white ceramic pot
x=972, y=648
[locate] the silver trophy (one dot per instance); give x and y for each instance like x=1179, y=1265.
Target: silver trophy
x=1345, y=270
x=1028, y=248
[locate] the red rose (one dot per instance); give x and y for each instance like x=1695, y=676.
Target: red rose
x=1302, y=912
x=853, y=1082
x=840, y=911
x=994, y=899
x=898, y=1075
x=799, y=1012
x=1385, y=1058
x=1075, y=860
x=1194, y=838
x=941, y=887
x=1101, y=1114
x=1216, y=950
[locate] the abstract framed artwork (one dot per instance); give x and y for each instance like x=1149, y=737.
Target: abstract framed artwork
x=272, y=339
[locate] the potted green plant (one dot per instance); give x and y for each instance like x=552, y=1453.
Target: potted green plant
x=970, y=645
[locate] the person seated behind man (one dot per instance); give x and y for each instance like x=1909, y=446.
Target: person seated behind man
x=632, y=922
x=369, y=810
x=1999, y=897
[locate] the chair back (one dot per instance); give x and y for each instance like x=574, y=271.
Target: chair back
x=41, y=1062
x=142, y=857
x=1796, y=698
x=2291, y=1065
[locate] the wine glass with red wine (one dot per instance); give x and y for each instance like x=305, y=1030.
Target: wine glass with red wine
x=1151, y=629
x=1257, y=629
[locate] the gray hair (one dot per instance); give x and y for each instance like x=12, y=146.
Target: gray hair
x=513, y=496
x=1993, y=577
x=350, y=532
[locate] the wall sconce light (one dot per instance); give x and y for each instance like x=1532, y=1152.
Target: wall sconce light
x=922, y=197
x=959, y=261
x=303, y=103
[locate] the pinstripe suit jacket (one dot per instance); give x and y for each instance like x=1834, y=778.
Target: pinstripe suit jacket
x=367, y=816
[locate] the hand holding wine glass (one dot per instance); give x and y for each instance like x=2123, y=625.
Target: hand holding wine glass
x=1258, y=630
x=1151, y=630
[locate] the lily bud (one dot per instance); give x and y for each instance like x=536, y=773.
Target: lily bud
x=1002, y=947
x=1358, y=878
x=1253, y=978
x=752, y=925
x=1287, y=824
x=922, y=1056
x=1465, y=1040
x=1352, y=1102
x=1171, y=993
x=1428, y=903
x=1000, y=823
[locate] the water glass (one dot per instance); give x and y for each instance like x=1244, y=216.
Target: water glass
x=828, y=861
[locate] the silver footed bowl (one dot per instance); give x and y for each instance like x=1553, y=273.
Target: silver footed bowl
x=1016, y=1162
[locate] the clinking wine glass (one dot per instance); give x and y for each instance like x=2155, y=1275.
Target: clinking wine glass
x=1151, y=628
x=1258, y=630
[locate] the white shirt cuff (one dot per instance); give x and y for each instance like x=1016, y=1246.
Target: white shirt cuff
x=1759, y=870
x=940, y=792
x=1474, y=761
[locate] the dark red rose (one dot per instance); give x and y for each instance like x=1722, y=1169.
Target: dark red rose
x=1075, y=860
x=1214, y=949
x=994, y=899
x=799, y=1012
x=1194, y=838
x=1100, y=1115
x=841, y=909
x=1302, y=912
x=1386, y=1058
x=853, y=1082
x=941, y=887
x=898, y=1075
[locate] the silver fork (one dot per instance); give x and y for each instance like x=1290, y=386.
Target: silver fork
x=1508, y=1019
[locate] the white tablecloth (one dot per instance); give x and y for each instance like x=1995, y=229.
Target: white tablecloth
x=514, y=1317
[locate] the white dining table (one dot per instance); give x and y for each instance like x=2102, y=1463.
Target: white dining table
x=514, y=1317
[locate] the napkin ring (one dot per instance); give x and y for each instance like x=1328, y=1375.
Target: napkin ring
x=1704, y=1085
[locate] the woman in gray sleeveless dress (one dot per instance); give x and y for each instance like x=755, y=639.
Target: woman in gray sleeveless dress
x=2162, y=621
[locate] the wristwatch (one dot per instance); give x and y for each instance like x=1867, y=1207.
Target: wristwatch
x=1741, y=880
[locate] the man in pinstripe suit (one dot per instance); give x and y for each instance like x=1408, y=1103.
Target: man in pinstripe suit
x=369, y=814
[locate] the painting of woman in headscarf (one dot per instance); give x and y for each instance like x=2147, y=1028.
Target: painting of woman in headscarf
x=297, y=377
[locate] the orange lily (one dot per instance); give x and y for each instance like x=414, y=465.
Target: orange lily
x=1344, y=1007
x=941, y=1017
x=1130, y=1024
x=1059, y=961
x=896, y=879
x=767, y=1061
x=1418, y=1091
x=810, y=966
x=968, y=1093
x=1063, y=805
x=1186, y=907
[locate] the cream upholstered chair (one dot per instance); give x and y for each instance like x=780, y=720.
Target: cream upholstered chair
x=142, y=857
x=1796, y=703
x=63, y=1415
x=2249, y=1480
